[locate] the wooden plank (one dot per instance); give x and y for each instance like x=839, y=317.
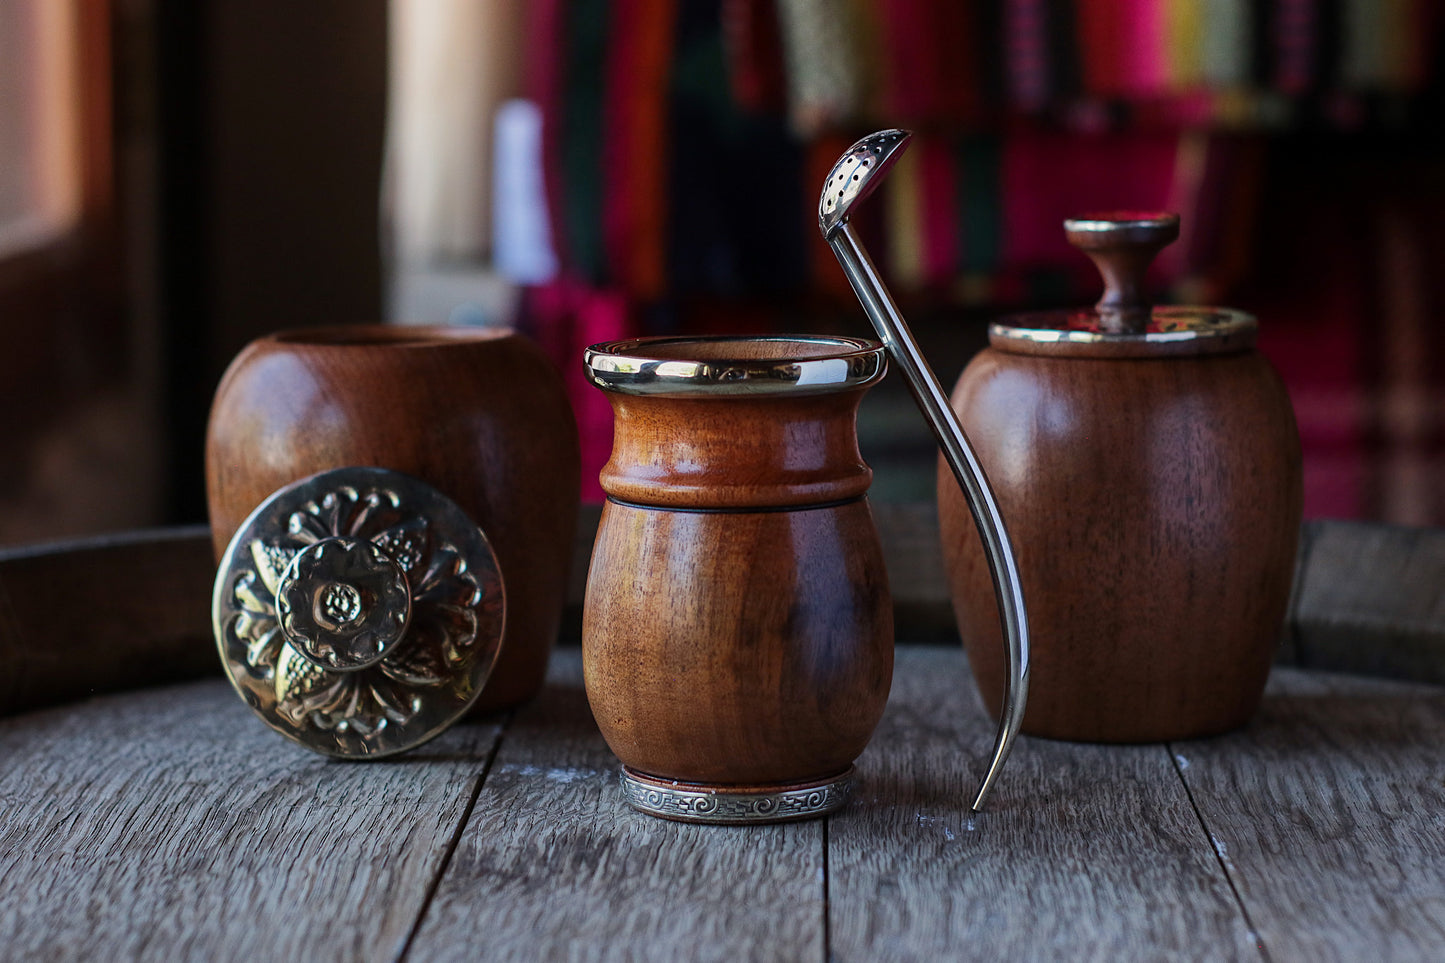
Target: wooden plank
x=1085, y=852
x=1327, y=811
x=104, y=614
x=1371, y=600
x=172, y=824
x=553, y=865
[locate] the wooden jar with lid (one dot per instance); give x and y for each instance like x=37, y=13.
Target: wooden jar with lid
x=1147, y=462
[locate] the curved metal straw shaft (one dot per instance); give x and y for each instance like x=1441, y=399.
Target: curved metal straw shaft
x=847, y=185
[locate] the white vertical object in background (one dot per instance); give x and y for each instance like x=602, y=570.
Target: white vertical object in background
x=521, y=233
x=824, y=66
x=1227, y=40
x=451, y=63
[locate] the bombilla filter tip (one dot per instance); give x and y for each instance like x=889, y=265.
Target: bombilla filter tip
x=856, y=174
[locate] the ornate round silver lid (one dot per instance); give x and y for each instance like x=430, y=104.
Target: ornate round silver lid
x=359, y=612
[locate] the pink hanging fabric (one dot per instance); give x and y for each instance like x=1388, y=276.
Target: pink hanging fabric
x=1296, y=39
x=926, y=62
x=1049, y=175
x=1026, y=53
x=1141, y=47
x=941, y=255
x=543, y=79
x=565, y=317
x=755, y=55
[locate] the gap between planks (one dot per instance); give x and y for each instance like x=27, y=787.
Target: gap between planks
x=465, y=905
x=1085, y=852
x=173, y=824
x=1325, y=812
x=451, y=848
x=1218, y=850
x=553, y=864
x=139, y=824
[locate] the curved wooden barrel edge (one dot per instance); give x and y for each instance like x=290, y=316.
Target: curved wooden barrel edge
x=82, y=617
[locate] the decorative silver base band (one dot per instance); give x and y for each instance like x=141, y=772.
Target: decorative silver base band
x=692, y=802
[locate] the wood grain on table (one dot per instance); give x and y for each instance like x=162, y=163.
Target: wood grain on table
x=168, y=822
x=171, y=824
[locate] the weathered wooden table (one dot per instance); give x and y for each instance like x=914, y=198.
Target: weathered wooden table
x=167, y=822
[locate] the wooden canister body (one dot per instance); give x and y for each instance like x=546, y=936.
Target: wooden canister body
x=482, y=416
x=1154, y=506
x=738, y=629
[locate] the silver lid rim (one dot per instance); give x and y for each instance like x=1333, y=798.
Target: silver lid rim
x=1030, y=327
x=633, y=367
x=1185, y=332
x=1101, y=225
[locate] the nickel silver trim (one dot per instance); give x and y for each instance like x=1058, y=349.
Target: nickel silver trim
x=663, y=367
x=1105, y=222
x=720, y=805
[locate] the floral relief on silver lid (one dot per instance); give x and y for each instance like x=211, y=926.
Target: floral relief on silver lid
x=359, y=612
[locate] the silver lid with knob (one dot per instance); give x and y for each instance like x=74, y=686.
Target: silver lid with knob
x=1124, y=323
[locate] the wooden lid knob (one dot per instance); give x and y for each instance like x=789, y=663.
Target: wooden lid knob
x=1122, y=245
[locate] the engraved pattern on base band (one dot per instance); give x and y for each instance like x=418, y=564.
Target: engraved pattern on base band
x=682, y=802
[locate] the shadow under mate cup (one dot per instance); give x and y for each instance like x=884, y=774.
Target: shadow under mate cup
x=737, y=636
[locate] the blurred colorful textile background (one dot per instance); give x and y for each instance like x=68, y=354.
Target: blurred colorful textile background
x=683, y=143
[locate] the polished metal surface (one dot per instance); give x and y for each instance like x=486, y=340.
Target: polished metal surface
x=856, y=175
x=1124, y=222
x=343, y=603
x=785, y=364
x=358, y=612
x=723, y=805
x=838, y=198
x=1083, y=334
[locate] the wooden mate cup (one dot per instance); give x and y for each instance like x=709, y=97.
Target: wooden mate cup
x=737, y=635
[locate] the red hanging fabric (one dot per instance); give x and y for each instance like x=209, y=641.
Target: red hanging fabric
x=635, y=145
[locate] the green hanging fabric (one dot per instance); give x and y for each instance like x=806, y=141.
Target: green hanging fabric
x=582, y=136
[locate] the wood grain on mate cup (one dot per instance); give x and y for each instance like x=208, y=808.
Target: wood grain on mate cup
x=1148, y=465
x=737, y=632
x=480, y=415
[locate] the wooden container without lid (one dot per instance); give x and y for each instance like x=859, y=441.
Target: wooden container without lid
x=480, y=415
x=1147, y=464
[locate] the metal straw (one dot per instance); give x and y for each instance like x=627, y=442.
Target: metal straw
x=852, y=179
